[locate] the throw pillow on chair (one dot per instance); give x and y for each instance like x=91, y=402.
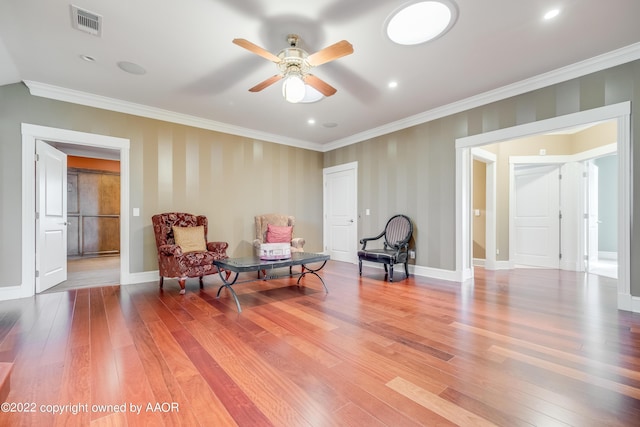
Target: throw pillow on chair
x=279, y=234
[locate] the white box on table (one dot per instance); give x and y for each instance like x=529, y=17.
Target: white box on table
x=275, y=251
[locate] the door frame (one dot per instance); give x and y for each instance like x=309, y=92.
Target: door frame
x=48, y=134
x=620, y=112
x=335, y=169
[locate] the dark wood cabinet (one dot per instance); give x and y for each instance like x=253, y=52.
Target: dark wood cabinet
x=93, y=211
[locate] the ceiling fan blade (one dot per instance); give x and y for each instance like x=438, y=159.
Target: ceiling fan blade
x=320, y=85
x=271, y=80
x=256, y=49
x=335, y=51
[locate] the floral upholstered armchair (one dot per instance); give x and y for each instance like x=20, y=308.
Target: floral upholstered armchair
x=183, y=249
x=276, y=228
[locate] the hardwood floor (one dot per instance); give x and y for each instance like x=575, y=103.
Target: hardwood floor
x=515, y=348
x=90, y=271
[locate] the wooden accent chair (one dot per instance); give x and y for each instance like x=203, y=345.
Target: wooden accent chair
x=196, y=255
x=395, y=250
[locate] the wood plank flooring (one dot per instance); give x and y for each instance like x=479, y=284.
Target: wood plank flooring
x=527, y=347
x=88, y=272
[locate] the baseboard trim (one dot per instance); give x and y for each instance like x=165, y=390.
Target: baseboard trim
x=608, y=255
x=14, y=292
x=429, y=272
x=143, y=277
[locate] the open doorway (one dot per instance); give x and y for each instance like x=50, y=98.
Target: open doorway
x=601, y=220
x=545, y=195
x=93, y=217
x=92, y=142
x=618, y=112
x=554, y=199
x=549, y=187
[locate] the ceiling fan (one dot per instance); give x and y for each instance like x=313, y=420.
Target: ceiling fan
x=295, y=65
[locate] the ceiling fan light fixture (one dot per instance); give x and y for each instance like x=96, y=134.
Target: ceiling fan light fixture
x=420, y=22
x=293, y=88
x=311, y=95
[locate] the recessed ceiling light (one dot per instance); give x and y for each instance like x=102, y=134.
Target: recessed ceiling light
x=552, y=14
x=421, y=21
x=132, y=68
x=311, y=121
x=393, y=84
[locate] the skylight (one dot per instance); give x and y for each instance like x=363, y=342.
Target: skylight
x=421, y=21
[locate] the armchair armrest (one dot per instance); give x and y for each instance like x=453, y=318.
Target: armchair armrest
x=212, y=246
x=364, y=240
x=256, y=243
x=298, y=242
x=170, y=250
x=219, y=248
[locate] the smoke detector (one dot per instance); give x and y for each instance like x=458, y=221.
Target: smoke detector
x=86, y=21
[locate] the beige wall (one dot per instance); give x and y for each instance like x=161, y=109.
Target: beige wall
x=410, y=172
x=413, y=171
x=480, y=205
x=173, y=167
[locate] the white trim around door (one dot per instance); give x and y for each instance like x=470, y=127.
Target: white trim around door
x=29, y=135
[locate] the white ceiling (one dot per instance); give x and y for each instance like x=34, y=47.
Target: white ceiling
x=195, y=75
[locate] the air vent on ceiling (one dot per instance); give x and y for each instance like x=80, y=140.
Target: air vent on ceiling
x=86, y=21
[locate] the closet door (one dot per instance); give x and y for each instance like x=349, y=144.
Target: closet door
x=94, y=212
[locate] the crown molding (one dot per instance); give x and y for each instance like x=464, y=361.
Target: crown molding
x=83, y=98
x=579, y=69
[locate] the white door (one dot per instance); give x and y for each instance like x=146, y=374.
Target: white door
x=341, y=212
x=51, y=216
x=592, y=215
x=535, y=214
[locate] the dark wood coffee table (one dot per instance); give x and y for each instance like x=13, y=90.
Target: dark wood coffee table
x=248, y=264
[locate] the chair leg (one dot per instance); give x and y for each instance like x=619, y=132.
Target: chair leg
x=360, y=267
x=161, y=281
x=201, y=283
x=406, y=268
x=390, y=272
x=181, y=282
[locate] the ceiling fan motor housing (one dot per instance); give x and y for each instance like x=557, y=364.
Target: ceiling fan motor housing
x=293, y=57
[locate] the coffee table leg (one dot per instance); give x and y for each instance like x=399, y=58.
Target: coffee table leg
x=306, y=270
x=228, y=285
